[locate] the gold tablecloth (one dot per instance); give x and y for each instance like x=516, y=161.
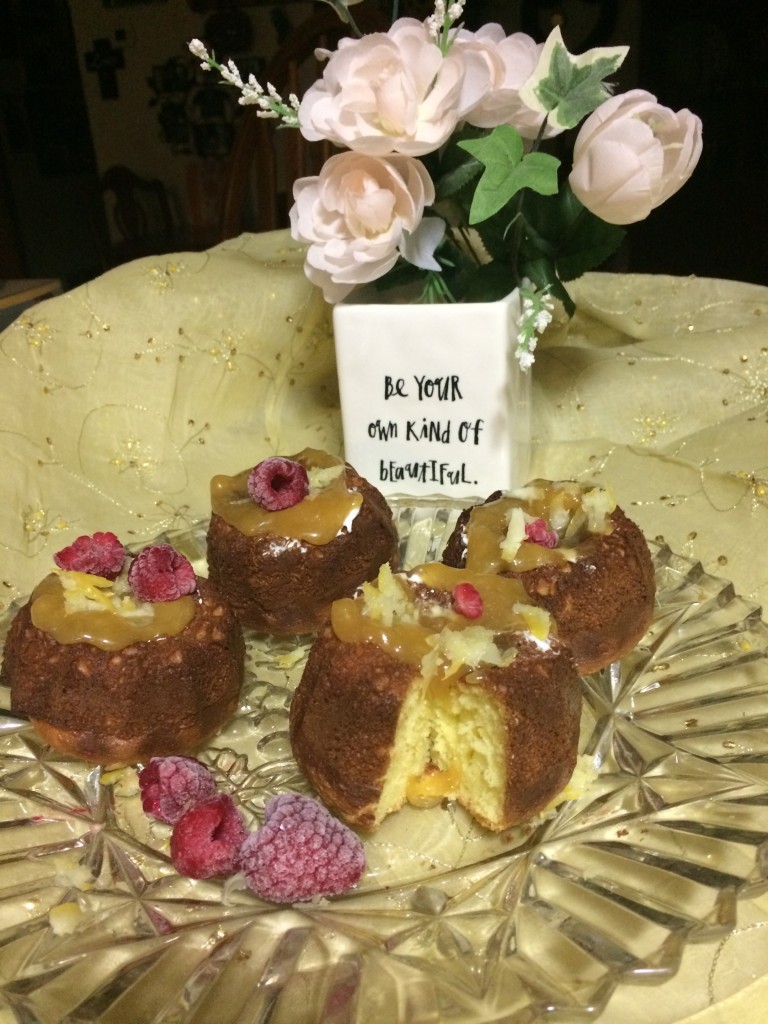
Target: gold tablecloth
x=121, y=398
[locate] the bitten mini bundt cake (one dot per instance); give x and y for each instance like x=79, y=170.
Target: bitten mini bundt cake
x=576, y=554
x=290, y=536
x=116, y=660
x=437, y=684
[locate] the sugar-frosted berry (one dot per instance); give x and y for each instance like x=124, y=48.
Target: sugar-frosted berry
x=100, y=555
x=172, y=785
x=206, y=840
x=301, y=852
x=278, y=483
x=160, y=573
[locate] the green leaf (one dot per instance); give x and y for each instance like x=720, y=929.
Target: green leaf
x=508, y=170
x=575, y=239
x=566, y=87
x=453, y=181
x=543, y=273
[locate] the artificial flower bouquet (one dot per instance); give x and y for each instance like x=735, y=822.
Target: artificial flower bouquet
x=448, y=171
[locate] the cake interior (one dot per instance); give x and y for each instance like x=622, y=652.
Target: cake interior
x=450, y=743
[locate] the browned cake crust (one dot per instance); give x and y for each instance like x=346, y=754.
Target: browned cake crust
x=346, y=710
x=150, y=699
x=287, y=586
x=602, y=603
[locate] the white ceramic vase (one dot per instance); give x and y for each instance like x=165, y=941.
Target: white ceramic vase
x=433, y=400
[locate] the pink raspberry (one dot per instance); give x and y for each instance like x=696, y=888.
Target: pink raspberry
x=206, y=840
x=467, y=600
x=159, y=573
x=100, y=555
x=301, y=852
x=171, y=785
x=538, y=532
x=278, y=483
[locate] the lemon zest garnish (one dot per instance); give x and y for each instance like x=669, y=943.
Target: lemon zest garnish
x=386, y=600
x=319, y=477
x=538, y=620
x=515, y=534
x=453, y=649
x=84, y=586
x=598, y=503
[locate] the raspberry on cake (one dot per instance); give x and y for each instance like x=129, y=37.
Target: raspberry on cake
x=421, y=689
x=576, y=554
x=291, y=535
x=117, y=664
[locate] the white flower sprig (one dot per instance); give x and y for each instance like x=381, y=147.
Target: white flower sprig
x=536, y=315
x=269, y=101
x=440, y=23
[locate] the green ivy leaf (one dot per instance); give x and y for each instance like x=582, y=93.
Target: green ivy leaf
x=566, y=87
x=508, y=170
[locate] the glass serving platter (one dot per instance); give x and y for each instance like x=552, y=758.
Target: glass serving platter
x=449, y=923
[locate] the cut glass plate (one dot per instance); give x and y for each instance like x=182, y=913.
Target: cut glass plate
x=450, y=923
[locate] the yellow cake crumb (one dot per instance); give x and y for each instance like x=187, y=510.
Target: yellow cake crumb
x=65, y=918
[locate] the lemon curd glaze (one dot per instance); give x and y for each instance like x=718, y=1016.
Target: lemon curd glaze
x=111, y=629
x=409, y=635
x=318, y=519
x=560, y=504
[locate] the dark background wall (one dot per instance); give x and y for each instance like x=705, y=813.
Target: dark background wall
x=61, y=126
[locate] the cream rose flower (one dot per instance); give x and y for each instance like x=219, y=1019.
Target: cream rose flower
x=511, y=60
x=356, y=217
x=631, y=155
x=390, y=92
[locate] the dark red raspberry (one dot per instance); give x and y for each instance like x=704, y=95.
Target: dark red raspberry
x=467, y=600
x=100, y=555
x=160, y=573
x=301, y=852
x=171, y=785
x=538, y=532
x=206, y=840
x=278, y=483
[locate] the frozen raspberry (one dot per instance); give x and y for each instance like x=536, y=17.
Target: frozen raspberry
x=467, y=601
x=100, y=555
x=301, y=852
x=278, y=483
x=538, y=532
x=171, y=785
x=159, y=573
x=206, y=840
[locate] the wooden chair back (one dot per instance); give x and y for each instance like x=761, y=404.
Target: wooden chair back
x=267, y=159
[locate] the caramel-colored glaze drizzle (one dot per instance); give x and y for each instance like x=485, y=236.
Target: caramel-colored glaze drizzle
x=487, y=528
x=409, y=641
x=317, y=519
x=108, y=630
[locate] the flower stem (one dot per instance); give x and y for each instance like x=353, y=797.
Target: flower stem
x=518, y=221
x=435, y=289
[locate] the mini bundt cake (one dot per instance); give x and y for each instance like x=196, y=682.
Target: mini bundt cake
x=117, y=660
x=290, y=536
x=437, y=684
x=576, y=554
